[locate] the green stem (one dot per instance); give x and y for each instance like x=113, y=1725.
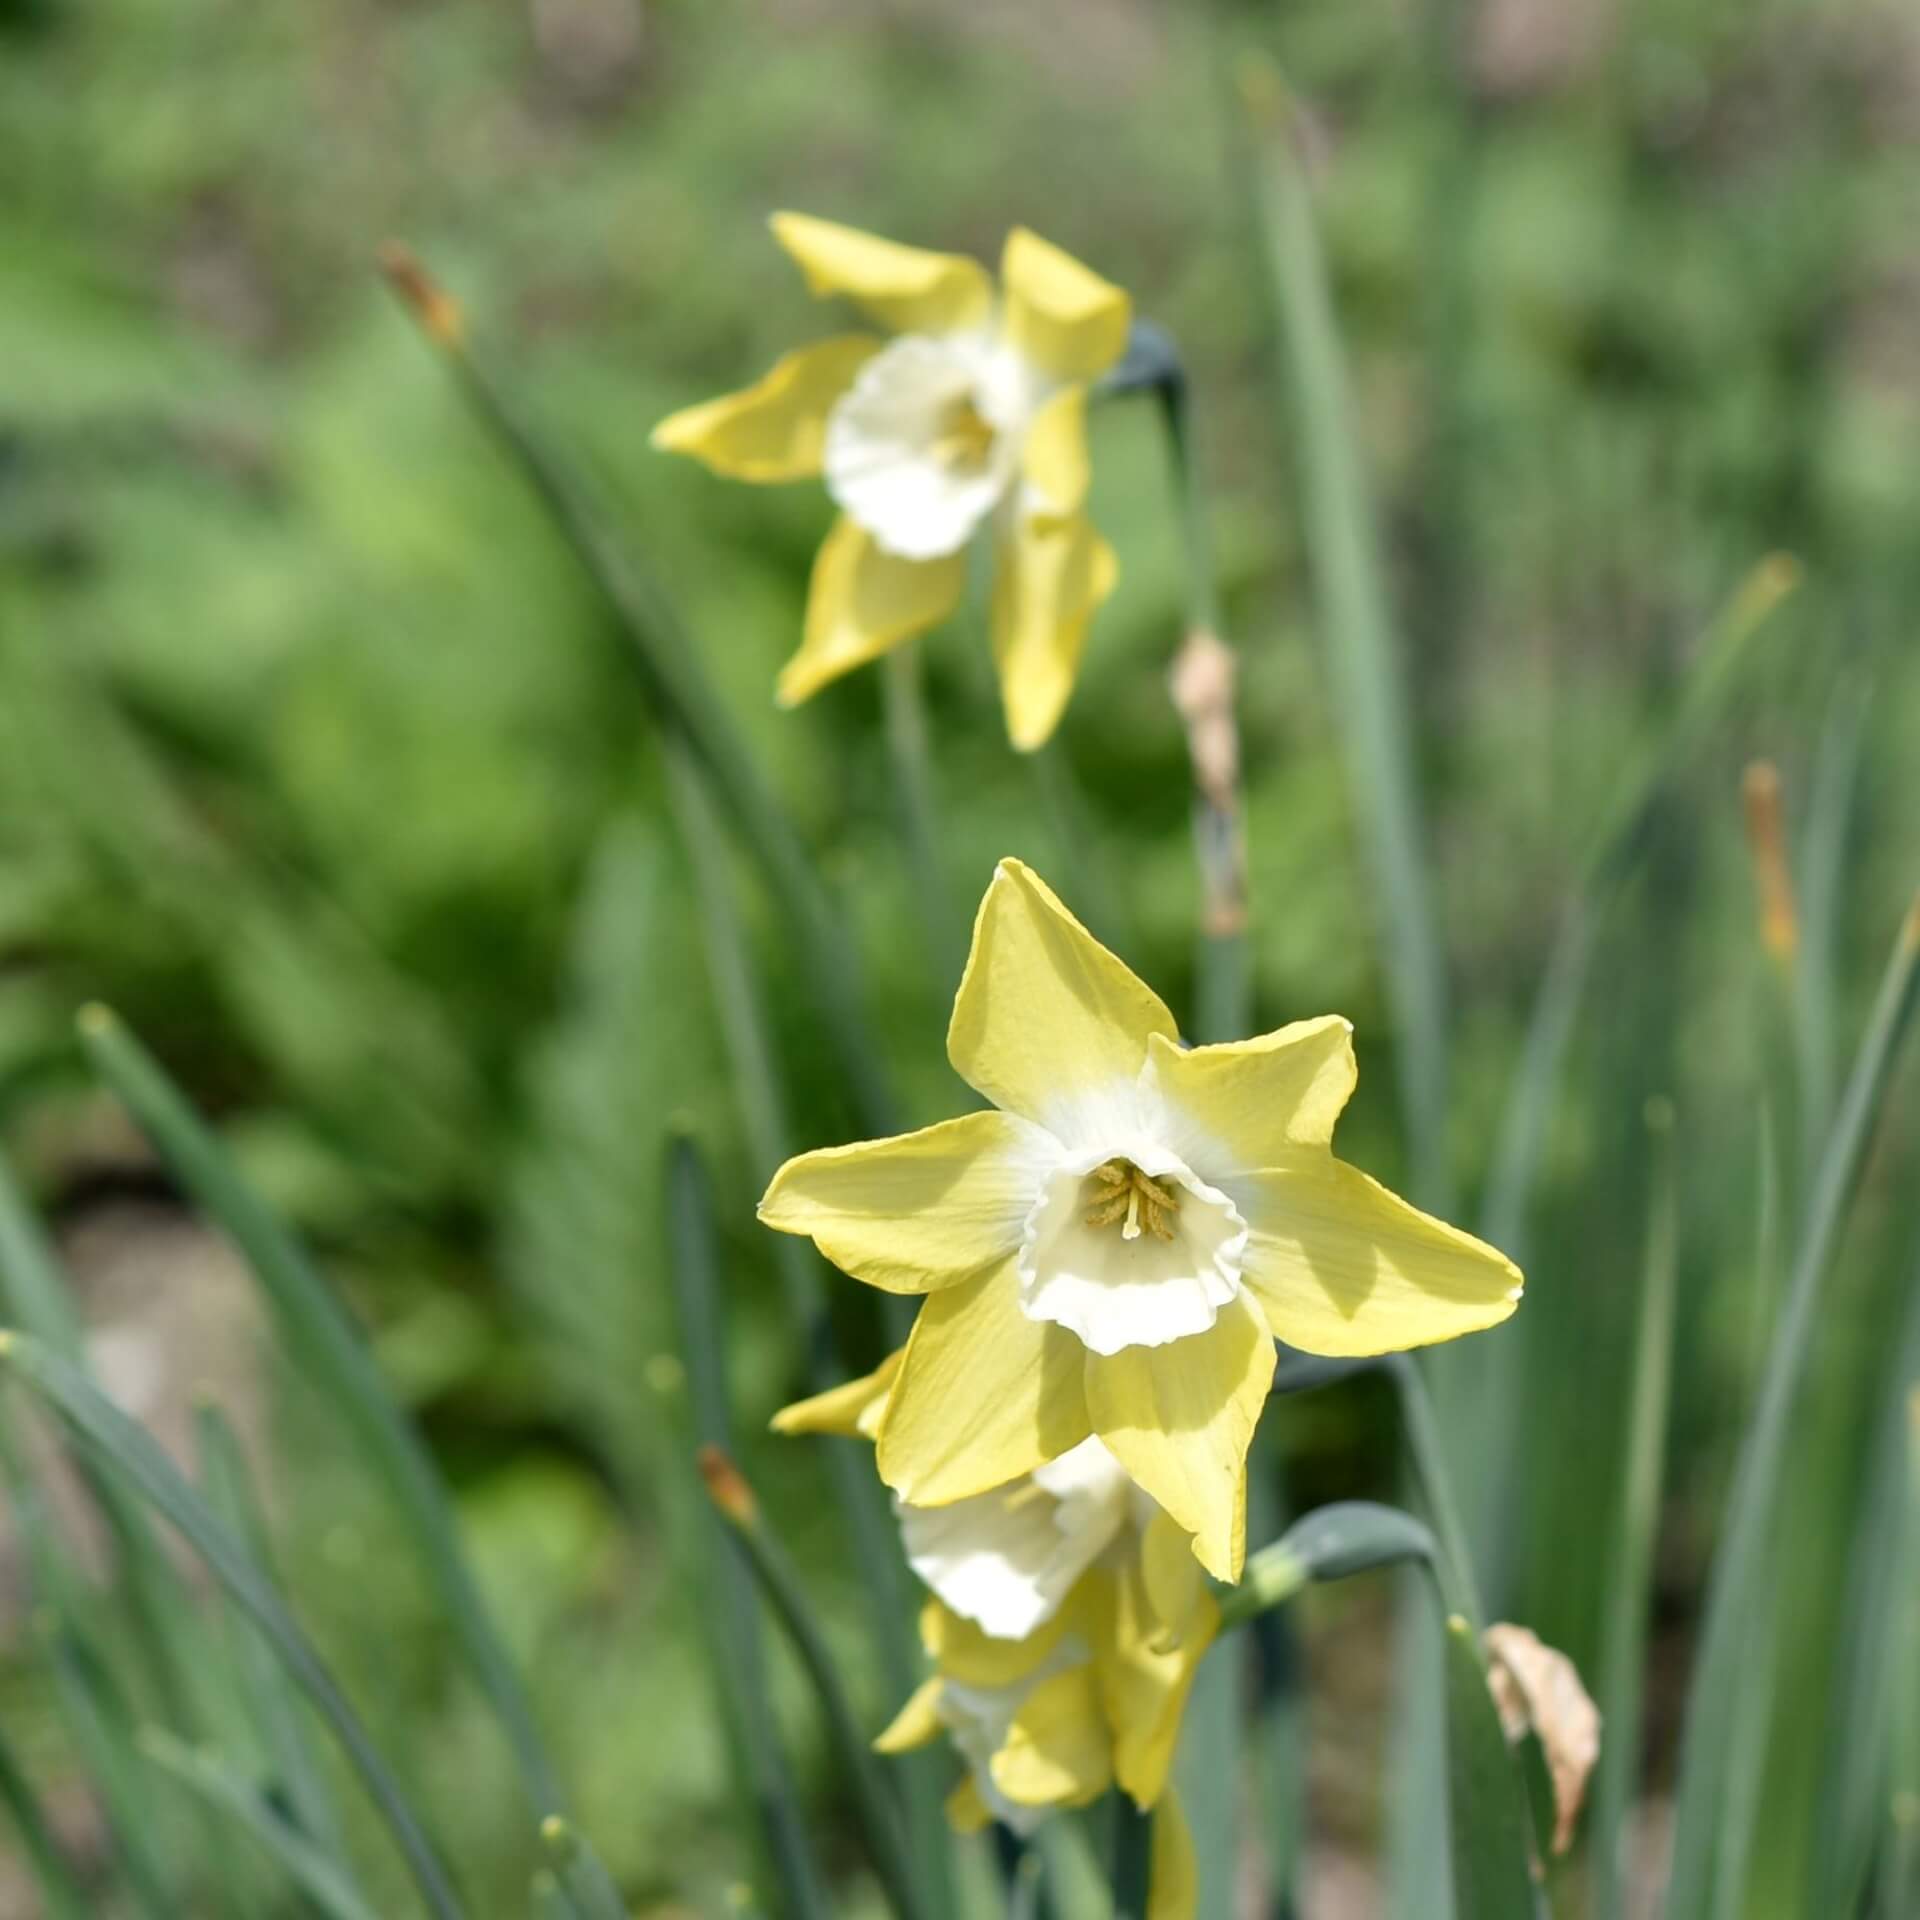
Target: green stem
x=765, y=1111
x=1203, y=683
x=781, y=1586
x=683, y=702
x=1132, y=1859
x=1174, y=395
x=1424, y=1449
x=911, y=754
x=1624, y=1638
x=728, y=1611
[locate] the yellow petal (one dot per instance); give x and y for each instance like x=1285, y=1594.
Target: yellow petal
x=850, y=1410
x=918, y=1211
x=1173, y=1879
x=984, y=1395
x=1056, y=1752
x=1170, y=1579
x=968, y=1655
x=1342, y=1266
x=1145, y=1687
x=1061, y=315
x=917, y=1722
x=1258, y=1098
x=966, y=1811
x=861, y=602
x=774, y=430
x=1055, y=457
x=1180, y=1418
x=1045, y=1015
x=906, y=288
x=1052, y=574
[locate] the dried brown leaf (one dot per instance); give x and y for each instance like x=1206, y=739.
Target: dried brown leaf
x=1538, y=1689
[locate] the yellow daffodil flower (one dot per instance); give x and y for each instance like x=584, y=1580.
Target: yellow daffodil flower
x=1067, y=1621
x=1113, y=1247
x=1087, y=1702
x=1007, y=1559
x=973, y=414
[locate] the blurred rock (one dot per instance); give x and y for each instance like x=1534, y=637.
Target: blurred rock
x=1524, y=47
x=172, y=1317
x=592, y=48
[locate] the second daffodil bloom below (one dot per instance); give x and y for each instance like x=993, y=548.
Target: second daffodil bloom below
x=971, y=415
x=1114, y=1246
x=1067, y=1623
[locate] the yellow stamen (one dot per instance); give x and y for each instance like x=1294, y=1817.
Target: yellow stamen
x=1136, y=1199
x=966, y=439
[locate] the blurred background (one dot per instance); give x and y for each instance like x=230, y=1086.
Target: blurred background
x=319, y=763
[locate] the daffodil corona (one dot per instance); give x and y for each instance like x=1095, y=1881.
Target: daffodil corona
x=1113, y=1247
x=971, y=416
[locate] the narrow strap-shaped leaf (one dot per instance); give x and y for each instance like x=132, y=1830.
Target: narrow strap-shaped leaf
x=1208, y=1770
x=1822, y=871
x=549, y=1897
x=766, y=1114
x=1489, y=1843
x=102, y=1735
x=96, y=1712
x=1202, y=683
x=1754, y=1498
x=1746, y=1769
x=780, y=1585
x=1900, y=1865
x=1883, y=1575
x=38, y=1298
x=101, y=1429
x=331, y=1354
x=1355, y=611
x=278, y=1713
x=1420, y=1429
x=678, y=691
x=733, y=1620
x=77, y=1626
x=944, y=928
x=582, y=1875
x=1524, y=1121
x=52, y=1876
x=1481, y=1377
x=312, y=1871
x=1630, y=1561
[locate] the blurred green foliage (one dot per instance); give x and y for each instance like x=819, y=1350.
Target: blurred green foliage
x=317, y=762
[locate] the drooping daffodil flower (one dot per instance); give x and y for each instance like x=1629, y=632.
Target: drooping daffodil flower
x=1007, y=1559
x=1113, y=1247
x=1085, y=1703
x=971, y=416
x=1067, y=1620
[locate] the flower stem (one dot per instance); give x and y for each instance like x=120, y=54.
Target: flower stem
x=1202, y=682
x=1132, y=1859
x=910, y=750
x=1454, y=1568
